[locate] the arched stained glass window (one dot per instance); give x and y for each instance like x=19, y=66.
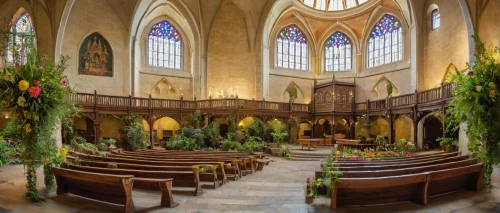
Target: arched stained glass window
x=332, y=5
x=436, y=19
x=291, y=49
x=164, y=46
x=21, y=37
x=338, y=53
x=385, y=44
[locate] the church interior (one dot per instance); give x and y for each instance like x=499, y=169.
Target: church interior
x=249, y=106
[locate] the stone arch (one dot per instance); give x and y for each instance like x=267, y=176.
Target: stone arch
x=421, y=133
x=164, y=127
x=450, y=70
x=112, y=127
x=164, y=89
x=300, y=93
x=380, y=126
x=403, y=128
x=381, y=93
x=349, y=33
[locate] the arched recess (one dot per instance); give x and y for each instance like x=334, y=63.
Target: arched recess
x=164, y=90
x=84, y=127
x=163, y=129
x=305, y=129
x=377, y=14
x=95, y=56
x=228, y=55
x=403, y=128
x=355, y=45
x=145, y=15
x=286, y=93
x=450, y=70
x=380, y=127
x=296, y=19
x=361, y=129
x=379, y=90
x=113, y=127
x=321, y=127
x=430, y=127
x=342, y=129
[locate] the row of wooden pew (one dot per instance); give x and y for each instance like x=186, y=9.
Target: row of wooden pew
x=404, y=179
x=160, y=170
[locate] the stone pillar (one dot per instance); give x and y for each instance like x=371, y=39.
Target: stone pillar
x=463, y=140
x=57, y=135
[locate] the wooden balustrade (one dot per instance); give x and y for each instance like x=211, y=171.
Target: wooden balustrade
x=162, y=103
x=377, y=105
x=361, y=106
x=140, y=102
x=82, y=98
x=448, y=90
x=105, y=100
x=402, y=100
x=300, y=107
x=429, y=95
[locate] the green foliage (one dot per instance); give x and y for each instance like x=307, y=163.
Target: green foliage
x=476, y=104
x=285, y=151
x=197, y=119
x=190, y=144
x=256, y=128
x=293, y=92
x=446, y=141
x=181, y=142
x=253, y=144
x=293, y=125
x=389, y=88
x=193, y=133
x=211, y=133
x=209, y=149
x=136, y=136
x=330, y=175
x=279, y=133
x=404, y=145
x=228, y=144
x=102, y=147
x=80, y=140
x=9, y=154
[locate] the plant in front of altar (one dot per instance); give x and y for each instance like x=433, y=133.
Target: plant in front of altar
x=476, y=104
x=34, y=89
x=330, y=176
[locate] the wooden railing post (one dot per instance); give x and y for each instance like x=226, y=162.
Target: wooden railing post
x=416, y=97
x=150, y=104
x=181, y=102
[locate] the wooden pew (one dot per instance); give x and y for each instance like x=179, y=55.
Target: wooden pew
x=400, y=158
x=399, y=166
x=210, y=176
x=414, y=187
x=118, y=188
x=233, y=172
x=244, y=164
x=180, y=178
x=368, y=163
x=402, y=171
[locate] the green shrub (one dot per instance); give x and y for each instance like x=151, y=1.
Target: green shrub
x=446, y=141
x=279, y=133
x=252, y=144
x=227, y=145
x=136, y=136
x=190, y=144
x=80, y=140
x=102, y=147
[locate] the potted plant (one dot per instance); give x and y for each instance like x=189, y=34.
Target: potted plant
x=448, y=144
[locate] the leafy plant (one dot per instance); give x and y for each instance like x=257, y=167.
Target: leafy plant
x=253, y=143
x=279, y=133
x=102, y=147
x=211, y=133
x=80, y=140
x=293, y=92
x=476, y=104
x=404, y=145
x=228, y=144
x=136, y=136
x=330, y=175
x=446, y=141
x=190, y=144
x=389, y=88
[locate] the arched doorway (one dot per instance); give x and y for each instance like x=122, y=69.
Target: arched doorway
x=322, y=127
x=271, y=126
x=84, y=127
x=342, y=129
x=433, y=129
x=361, y=130
x=305, y=130
x=223, y=125
x=403, y=128
x=113, y=127
x=163, y=129
x=380, y=127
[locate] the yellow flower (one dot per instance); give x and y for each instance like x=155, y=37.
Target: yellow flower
x=23, y=85
x=27, y=115
x=492, y=93
x=27, y=128
x=492, y=85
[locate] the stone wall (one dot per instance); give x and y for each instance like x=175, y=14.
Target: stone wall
x=85, y=18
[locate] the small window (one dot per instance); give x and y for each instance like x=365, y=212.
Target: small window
x=436, y=19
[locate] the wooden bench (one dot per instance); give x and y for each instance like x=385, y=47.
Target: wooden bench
x=375, y=163
x=261, y=163
x=180, y=178
x=210, y=176
x=414, y=187
x=118, y=187
x=399, y=166
x=402, y=171
x=402, y=158
x=232, y=172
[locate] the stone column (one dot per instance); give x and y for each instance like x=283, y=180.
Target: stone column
x=463, y=140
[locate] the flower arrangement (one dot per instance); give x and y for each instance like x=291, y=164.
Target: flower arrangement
x=330, y=175
x=476, y=104
x=34, y=89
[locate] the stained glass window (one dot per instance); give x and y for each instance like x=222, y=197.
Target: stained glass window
x=164, y=46
x=385, y=44
x=338, y=53
x=22, y=35
x=291, y=49
x=436, y=19
x=332, y=5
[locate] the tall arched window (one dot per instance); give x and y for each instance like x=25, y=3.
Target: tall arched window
x=291, y=49
x=338, y=53
x=385, y=44
x=164, y=46
x=436, y=19
x=21, y=38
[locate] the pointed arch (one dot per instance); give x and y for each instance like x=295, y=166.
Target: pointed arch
x=291, y=85
x=447, y=74
x=378, y=92
x=95, y=56
x=160, y=83
x=22, y=37
x=288, y=40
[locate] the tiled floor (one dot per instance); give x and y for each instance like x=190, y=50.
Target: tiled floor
x=278, y=188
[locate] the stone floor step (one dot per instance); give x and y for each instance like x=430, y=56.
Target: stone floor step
x=304, y=159
x=309, y=156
